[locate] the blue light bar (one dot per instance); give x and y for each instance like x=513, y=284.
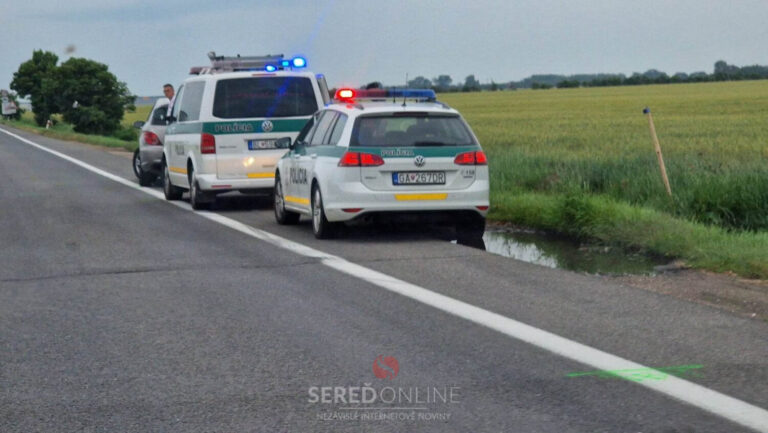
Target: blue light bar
x=270, y=68
x=420, y=94
x=286, y=63
x=299, y=62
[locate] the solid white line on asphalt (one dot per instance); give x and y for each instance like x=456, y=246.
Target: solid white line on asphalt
x=712, y=401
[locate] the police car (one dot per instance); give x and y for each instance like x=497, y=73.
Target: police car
x=228, y=122
x=376, y=154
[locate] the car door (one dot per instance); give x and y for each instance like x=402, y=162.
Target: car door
x=308, y=158
x=289, y=176
x=174, y=144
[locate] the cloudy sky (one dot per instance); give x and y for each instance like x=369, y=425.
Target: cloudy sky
x=147, y=43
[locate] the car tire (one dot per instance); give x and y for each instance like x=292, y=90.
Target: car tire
x=136, y=163
x=472, y=229
x=145, y=178
x=171, y=192
x=197, y=199
x=282, y=215
x=321, y=227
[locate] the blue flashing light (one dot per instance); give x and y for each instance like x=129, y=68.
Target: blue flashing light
x=270, y=68
x=299, y=62
x=421, y=94
x=285, y=63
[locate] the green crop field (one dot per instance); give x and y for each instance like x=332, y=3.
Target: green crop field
x=560, y=158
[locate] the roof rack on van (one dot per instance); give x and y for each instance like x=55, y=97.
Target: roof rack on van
x=269, y=63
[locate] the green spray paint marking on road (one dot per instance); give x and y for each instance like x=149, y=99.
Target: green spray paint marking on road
x=641, y=374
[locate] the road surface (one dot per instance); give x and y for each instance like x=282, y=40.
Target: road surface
x=120, y=311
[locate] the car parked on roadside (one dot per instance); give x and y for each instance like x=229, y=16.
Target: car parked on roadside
x=148, y=158
x=384, y=154
x=232, y=122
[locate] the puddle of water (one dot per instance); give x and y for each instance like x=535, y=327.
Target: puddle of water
x=557, y=252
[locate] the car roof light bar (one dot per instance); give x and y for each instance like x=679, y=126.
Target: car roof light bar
x=269, y=63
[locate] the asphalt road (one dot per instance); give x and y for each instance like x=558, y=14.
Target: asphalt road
x=122, y=312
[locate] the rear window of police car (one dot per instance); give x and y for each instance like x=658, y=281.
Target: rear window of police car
x=411, y=129
x=264, y=97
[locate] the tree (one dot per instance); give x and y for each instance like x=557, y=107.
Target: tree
x=471, y=84
x=420, y=83
x=442, y=82
x=88, y=96
x=28, y=82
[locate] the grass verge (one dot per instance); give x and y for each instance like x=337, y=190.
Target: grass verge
x=614, y=222
x=63, y=131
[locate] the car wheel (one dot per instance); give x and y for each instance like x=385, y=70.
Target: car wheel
x=171, y=192
x=282, y=216
x=321, y=227
x=472, y=229
x=137, y=163
x=196, y=197
x=145, y=178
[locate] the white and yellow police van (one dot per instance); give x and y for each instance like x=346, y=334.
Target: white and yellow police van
x=384, y=153
x=227, y=123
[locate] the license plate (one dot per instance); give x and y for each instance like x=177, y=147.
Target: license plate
x=262, y=144
x=418, y=178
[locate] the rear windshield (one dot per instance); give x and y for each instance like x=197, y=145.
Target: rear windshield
x=264, y=97
x=405, y=129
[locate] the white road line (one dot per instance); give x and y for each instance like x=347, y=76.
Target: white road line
x=704, y=398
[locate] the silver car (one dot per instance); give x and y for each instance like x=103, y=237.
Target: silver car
x=148, y=158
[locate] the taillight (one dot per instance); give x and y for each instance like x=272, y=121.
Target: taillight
x=471, y=158
x=151, y=139
x=370, y=160
x=207, y=143
x=358, y=159
x=350, y=159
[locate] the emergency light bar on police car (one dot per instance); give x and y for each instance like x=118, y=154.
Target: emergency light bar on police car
x=268, y=63
x=353, y=95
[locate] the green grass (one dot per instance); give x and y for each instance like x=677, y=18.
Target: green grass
x=581, y=161
x=64, y=131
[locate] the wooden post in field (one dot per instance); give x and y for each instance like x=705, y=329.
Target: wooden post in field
x=657, y=147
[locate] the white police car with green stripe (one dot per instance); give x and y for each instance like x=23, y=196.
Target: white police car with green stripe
x=374, y=154
x=229, y=120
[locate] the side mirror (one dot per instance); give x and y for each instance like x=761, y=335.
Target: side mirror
x=138, y=124
x=283, y=143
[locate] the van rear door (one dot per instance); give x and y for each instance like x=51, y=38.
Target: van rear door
x=255, y=112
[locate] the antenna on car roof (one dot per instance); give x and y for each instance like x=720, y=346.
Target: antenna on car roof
x=406, y=86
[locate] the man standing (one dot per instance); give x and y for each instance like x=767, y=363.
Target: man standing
x=168, y=92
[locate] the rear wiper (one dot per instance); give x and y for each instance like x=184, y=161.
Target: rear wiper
x=429, y=143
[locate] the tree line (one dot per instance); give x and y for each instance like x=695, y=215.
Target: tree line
x=82, y=91
x=722, y=72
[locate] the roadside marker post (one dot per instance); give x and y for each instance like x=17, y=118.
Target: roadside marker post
x=657, y=147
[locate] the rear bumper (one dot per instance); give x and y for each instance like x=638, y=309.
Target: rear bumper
x=469, y=201
x=211, y=183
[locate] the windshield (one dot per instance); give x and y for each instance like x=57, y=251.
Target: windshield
x=411, y=129
x=264, y=97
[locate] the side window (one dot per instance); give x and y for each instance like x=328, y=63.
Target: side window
x=305, y=131
x=325, y=122
x=177, y=103
x=190, y=103
x=158, y=116
x=338, y=128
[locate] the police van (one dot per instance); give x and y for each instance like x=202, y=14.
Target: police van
x=228, y=122
x=384, y=153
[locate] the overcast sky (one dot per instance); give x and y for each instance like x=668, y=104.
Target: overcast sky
x=147, y=43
